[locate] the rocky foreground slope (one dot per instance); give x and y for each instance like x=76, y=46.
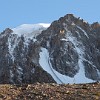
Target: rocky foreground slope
x=67, y=51
x=51, y=91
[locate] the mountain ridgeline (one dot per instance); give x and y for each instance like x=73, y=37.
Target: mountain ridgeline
x=67, y=51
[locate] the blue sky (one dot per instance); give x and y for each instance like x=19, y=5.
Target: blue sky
x=16, y=12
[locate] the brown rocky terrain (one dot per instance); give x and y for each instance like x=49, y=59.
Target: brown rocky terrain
x=50, y=91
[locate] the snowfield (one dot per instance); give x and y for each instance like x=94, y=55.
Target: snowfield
x=27, y=30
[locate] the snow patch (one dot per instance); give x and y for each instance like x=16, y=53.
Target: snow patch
x=83, y=31
x=73, y=23
x=63, y=39
x=33, y=70
x=46, y=25
x=20, y=73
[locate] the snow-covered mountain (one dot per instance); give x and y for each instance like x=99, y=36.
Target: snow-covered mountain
x=65, y=51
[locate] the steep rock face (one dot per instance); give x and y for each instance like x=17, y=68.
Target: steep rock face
x=66, y=52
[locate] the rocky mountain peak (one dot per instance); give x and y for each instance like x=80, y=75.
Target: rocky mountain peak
x=67, y=51
x=71, y=42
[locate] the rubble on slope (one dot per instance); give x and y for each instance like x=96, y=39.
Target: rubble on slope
x=50, y=91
